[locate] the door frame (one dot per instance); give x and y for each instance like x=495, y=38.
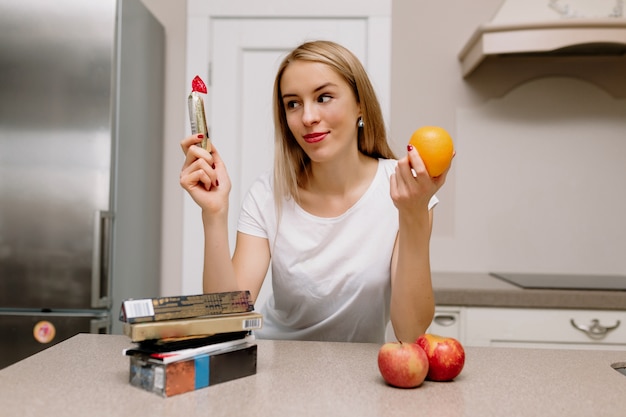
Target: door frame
x=200, y=13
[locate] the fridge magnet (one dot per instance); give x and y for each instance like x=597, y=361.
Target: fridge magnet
x=44, y=331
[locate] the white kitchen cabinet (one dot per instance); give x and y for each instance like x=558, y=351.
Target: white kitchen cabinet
x=448, y=322
x=544, y=328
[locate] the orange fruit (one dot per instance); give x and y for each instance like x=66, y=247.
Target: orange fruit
x=435, y=147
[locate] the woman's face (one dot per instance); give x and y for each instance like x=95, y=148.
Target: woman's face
x=321, y=110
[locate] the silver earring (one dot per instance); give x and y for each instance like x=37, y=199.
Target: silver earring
x=360, y=122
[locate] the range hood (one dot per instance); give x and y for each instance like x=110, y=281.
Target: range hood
x=543, y=27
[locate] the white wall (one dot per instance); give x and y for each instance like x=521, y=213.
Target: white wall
x=571, y=223
x=537, y=180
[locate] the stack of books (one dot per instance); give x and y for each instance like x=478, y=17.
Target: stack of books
x=190, y=342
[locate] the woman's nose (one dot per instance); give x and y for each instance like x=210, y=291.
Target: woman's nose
x=310, y=115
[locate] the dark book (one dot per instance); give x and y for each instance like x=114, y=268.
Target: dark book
x=193, y=373
x=185, y=306
x=165, y=357
x=187, y=342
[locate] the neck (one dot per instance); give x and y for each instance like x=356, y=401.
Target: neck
x=339, y=177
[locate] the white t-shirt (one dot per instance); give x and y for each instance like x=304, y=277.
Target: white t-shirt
x=331, y=277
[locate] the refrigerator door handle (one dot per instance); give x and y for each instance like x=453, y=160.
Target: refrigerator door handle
x=100, y=265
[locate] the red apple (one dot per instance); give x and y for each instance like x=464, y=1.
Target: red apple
x=446, y=356
x=402, y=365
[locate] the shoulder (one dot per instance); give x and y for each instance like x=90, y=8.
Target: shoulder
x=263, y=183
x=257, y=207
x=387, y=165
x=261, y=189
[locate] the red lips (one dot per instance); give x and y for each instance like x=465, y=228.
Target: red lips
x=315, y=137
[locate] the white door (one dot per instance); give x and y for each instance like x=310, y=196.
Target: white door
x=242, y=55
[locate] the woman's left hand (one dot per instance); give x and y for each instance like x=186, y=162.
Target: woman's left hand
x=411, y=185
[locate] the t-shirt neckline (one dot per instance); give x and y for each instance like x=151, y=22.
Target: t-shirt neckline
x=359, y=202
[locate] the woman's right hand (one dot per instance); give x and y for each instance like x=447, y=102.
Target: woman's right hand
x=204, y=176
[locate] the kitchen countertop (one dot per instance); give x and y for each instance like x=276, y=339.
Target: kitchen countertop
x=87, y=375
x=483, y=290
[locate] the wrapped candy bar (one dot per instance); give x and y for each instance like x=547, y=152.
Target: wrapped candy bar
x=197, y=118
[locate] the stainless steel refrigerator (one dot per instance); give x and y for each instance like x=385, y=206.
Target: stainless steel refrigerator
x=81, y=110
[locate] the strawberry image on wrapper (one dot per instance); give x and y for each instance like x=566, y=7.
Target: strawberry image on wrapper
x=197, y=118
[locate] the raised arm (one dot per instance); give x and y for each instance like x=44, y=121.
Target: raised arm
x=205, y=178
x=412, y=300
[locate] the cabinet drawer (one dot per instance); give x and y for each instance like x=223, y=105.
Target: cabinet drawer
x=447, y=322
x=493, y=326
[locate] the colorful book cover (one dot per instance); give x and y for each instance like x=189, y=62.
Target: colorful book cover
x=194, y=373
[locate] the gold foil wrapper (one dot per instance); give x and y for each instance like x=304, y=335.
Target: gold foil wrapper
x=197, y=119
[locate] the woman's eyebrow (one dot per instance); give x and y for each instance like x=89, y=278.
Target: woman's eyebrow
x=321, y=87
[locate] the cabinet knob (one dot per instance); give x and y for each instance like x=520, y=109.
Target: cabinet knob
x=595, y=330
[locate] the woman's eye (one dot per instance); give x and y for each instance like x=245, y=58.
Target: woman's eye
x=324, y=98
x=291, y=104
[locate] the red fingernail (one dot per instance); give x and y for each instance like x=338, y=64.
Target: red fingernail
x=409, y=147
x=200, y=136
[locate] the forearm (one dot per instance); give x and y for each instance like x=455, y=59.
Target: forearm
x=218, y=275
x=412, y=299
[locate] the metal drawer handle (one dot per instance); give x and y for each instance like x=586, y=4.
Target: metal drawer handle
x=595, y=330
x=445, y=319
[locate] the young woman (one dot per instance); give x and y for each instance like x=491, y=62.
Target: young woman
x=345, y=226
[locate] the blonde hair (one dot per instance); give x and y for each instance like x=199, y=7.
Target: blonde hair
x=291, y=164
